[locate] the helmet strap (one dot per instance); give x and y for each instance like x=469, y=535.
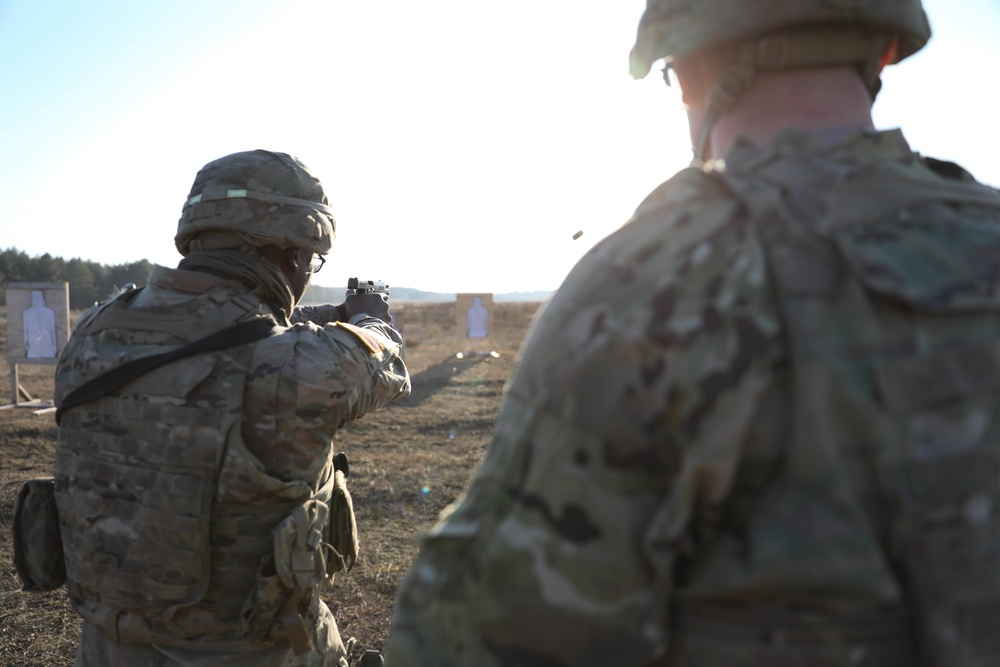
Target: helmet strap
x=721, y=99
x=213, y=240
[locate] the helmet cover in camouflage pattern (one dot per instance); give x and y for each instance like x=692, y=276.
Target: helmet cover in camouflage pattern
x=256, y=197
x=670, y=29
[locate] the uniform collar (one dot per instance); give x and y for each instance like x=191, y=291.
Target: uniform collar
x=839, y=144
x=194, y=282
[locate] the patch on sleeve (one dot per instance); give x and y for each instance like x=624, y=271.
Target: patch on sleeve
x=367, y=339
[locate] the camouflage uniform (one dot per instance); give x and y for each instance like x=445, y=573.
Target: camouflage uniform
x=755, y=426
x=200, y=507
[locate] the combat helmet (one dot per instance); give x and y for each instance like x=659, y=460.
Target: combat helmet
x=776, y=34
x=255, y=198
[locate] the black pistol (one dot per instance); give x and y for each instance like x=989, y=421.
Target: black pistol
x=358, y=286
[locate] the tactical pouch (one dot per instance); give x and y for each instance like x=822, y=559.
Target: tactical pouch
x=315, y=540
x=298, y=552
x=287, y=578
x=341, y=533
x=38, y=550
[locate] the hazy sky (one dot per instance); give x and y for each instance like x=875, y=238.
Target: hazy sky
x=462, y=143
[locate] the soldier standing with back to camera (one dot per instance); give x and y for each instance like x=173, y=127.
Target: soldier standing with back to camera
x=759, y=424
x=199, y=503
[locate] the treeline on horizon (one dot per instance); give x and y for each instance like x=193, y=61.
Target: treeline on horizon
x=89, y=282
x=93, y=282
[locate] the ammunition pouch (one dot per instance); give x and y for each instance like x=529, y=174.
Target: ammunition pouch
x=38, y=550
x=316, y=540
x=341, y=534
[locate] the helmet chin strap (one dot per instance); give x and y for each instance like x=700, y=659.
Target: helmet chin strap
x=818, y=47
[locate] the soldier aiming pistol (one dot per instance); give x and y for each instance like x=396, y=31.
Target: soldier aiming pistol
x=360, y=299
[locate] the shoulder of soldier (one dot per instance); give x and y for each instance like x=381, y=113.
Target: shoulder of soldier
x=87, y=317
x=953, y=171
x=689, y=244
x=691, y=187
x=92, y=315
x=947, y=169
x=369, y=338
x=694, y=205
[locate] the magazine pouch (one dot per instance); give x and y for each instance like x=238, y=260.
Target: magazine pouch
x=341, y=529
x=38, y=551
x=288, y=580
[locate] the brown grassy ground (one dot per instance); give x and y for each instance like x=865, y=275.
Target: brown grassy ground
x=407, y=463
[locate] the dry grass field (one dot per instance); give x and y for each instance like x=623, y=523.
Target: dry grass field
x=407, y=463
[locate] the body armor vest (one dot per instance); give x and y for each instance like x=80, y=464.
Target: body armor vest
x=166, y=517
x=887, y=485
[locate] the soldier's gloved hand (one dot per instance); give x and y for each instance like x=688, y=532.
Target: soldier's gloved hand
x=373, y=305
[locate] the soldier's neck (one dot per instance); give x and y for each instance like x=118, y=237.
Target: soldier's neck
x=810, y=100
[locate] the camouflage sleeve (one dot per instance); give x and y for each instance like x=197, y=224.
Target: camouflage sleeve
x=318, y=315
x=310, y=381
x=620, y=428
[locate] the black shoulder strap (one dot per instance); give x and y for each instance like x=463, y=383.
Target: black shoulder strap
x=118, y=377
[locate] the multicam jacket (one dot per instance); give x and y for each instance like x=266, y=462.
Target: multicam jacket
x=758, y=425
x=172, y=491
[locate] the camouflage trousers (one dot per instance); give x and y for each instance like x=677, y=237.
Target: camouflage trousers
x=328, y=650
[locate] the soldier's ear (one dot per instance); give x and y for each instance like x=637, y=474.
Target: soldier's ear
x=292, y=257
x=286, y=259
x=891, y=53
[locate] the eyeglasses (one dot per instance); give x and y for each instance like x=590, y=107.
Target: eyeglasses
x=317, y=263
